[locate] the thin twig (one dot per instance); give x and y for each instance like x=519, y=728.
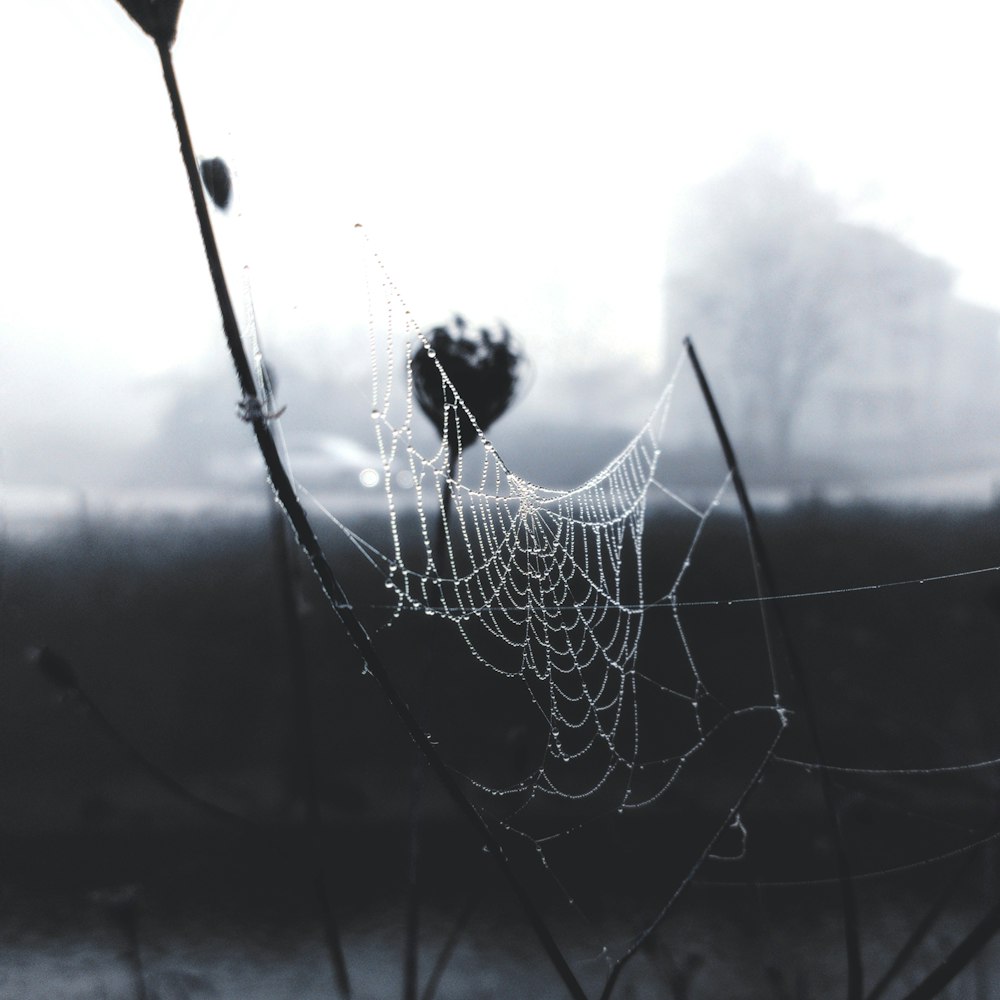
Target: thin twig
x=306, y=755
x=709, y=840
x=762, y=570
x=965, y=952
x=916, y=938
x=286, y=496
x=61, y=673
x=122, y=904
x=411, y=948
x=934, y=913
x=451, y=942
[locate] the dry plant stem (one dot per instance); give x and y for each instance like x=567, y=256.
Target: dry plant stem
x=125, y=916
x=306, y=760
x=919, y=933
x=633, y=949
x=960, y=957
x=411, y=965
x=913, y=942
x=285, y=494
x=762, y=571
x=931, y=917
x=245, y=374
x=158, y=773
x=448, y=948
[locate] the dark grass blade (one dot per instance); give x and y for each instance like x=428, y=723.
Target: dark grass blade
x=960, y=957
x=58, y=671
x=287, y=498
x=123, y=906
x=450, y=944
x=913, y=942
x=766, y=587
x=306, y=758
x=730, y=761
x=934, y=913
x=411, y=965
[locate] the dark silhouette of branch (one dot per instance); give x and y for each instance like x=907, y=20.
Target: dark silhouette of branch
x=123, y=906
x=411, y=950
x=766, y=587
x=934, y=913
x=964, y=952
x=306, y=537
x=450, y=943
x=59, y=672
x=306, y=757
x=730, y=758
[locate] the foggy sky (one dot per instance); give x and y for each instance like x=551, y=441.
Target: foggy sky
x=524, y=163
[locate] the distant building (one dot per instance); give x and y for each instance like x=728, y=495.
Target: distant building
x=925, y=370
x=880, y=366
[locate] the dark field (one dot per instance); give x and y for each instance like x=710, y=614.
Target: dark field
x=176, y=634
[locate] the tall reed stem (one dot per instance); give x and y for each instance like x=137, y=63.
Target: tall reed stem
x=305, y=756
x=766, y=586
x=411, y=948
x=286, y=496
x=960, y=957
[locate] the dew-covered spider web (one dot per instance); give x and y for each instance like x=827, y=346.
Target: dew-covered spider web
x=516, y=616
x=610, y=699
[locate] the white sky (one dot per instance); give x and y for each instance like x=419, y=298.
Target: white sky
x=521, y=161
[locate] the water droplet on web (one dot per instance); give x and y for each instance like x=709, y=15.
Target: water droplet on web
x=542, y=572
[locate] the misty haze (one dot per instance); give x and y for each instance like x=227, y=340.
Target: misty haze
x=549, y=551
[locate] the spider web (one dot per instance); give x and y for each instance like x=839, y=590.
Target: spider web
x=541, y=681
x=631, y=748
x=543, y=585
x=625, y=731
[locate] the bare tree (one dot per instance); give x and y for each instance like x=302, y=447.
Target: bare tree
x=776, y=286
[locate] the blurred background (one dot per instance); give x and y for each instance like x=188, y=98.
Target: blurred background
x=807, y=190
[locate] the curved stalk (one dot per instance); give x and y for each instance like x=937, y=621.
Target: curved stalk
x=765, y=585
x=287, y=498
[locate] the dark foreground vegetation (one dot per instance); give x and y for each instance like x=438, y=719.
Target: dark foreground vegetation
x=175, y=632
